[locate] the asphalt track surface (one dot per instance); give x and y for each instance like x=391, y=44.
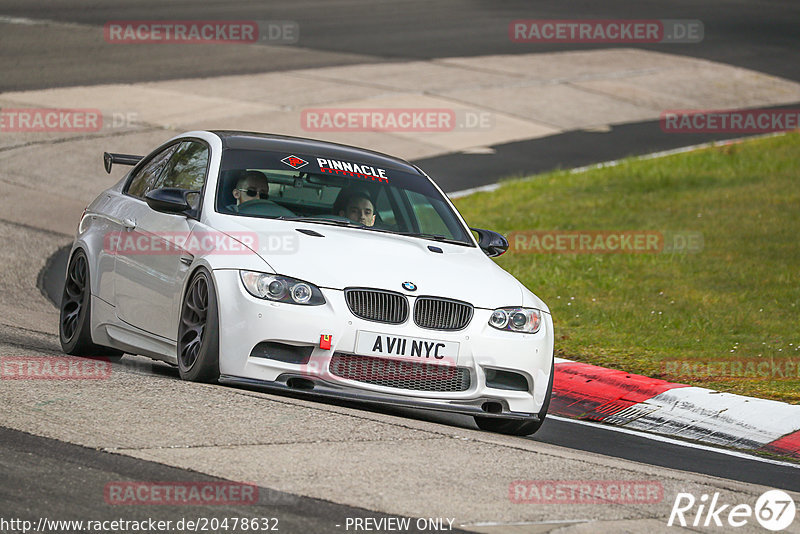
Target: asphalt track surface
x=37, y=473
x=38, y=477
x=641, y=448
x=761, y=36
x=458, y=172
x=758, y=35
x=556, y=431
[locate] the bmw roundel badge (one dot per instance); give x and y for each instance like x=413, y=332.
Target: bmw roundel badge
x=409, y=286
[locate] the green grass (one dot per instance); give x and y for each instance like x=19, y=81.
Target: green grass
x=737, y=299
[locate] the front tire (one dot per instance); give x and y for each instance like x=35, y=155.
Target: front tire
x=515, y=427
x=75, y=317
x=198, y=331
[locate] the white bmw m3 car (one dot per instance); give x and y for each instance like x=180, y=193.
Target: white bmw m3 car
x=294, y=264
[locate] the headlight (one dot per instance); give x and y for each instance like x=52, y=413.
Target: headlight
x=281, y=288
x=526, y=320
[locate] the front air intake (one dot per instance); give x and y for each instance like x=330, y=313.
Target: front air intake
x=400, y=374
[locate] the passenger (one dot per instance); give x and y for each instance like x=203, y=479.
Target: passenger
x=356, y=205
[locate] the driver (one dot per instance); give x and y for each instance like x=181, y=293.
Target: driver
x=251, y=186
x=356, y=205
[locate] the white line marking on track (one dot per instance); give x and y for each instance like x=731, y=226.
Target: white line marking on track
x=465, y=192
x=5, y=19
x=673, y=441
x=522, y=523
x=674, y=151
x=613, y=163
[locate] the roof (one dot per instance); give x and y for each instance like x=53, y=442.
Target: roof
x=313, y=147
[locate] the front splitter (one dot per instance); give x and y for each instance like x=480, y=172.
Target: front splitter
x=327, y=389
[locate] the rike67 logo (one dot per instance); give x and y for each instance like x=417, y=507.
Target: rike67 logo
x=774, y=510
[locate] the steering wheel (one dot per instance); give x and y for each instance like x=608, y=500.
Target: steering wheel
x=264, y=207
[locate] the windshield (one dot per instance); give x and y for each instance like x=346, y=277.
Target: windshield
x=327, y=191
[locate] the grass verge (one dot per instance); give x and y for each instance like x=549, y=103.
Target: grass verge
x=725, y=317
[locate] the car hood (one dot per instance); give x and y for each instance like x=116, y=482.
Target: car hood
x=339, y=257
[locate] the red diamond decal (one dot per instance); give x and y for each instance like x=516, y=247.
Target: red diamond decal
x=294, y=162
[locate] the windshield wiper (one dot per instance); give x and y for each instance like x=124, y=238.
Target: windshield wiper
x=335, y=222
x=351, y=224
x=434, y=237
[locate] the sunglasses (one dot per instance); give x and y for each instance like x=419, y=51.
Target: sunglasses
x=253, y=192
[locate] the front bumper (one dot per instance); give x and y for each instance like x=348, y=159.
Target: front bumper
x=303, y=384
x=246, y=321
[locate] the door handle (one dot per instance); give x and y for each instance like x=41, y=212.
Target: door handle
x=128, y=224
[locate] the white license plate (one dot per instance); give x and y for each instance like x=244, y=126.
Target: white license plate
x=407, y=348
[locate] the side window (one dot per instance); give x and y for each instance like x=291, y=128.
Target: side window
x=428, y=216
x=146, y=177
x=186, y=168
x=383, y=209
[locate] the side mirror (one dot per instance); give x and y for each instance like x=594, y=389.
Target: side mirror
x=168, y=200
x=491, y=243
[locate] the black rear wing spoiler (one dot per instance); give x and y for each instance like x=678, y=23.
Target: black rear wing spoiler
x=122, y=159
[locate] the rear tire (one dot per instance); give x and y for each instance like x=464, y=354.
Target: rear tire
x=515, y=427
x=198, y=331
x=75, y=317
